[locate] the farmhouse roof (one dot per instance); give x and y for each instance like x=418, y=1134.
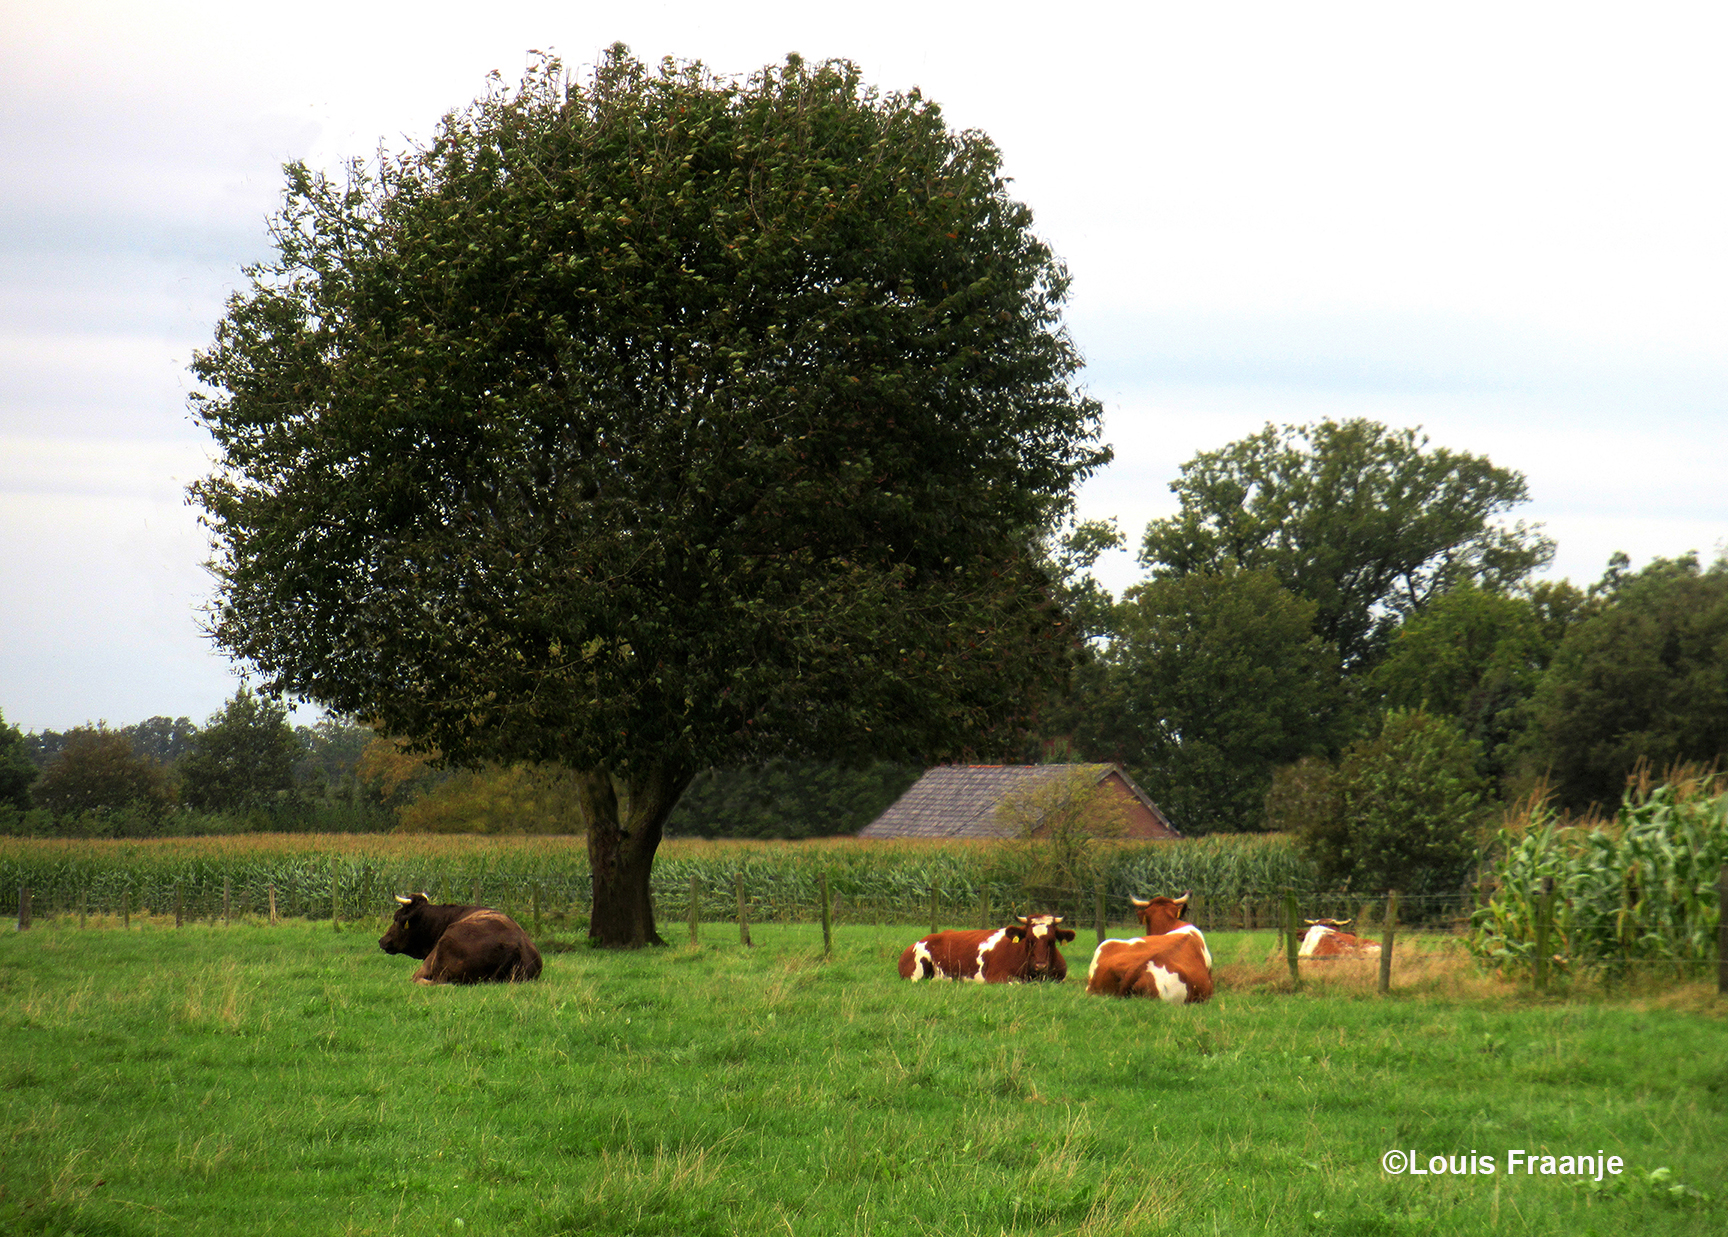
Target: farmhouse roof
x=960, y=801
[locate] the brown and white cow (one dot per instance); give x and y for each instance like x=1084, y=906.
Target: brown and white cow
x=1325, y=940
x=1170, y=963
x=460, y=944
x=1025, y=950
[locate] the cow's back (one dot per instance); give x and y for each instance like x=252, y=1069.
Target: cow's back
x=481, y=947
x=947, y=955
x=1175, y=967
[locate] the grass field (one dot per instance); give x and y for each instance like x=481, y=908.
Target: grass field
x=291, y=1080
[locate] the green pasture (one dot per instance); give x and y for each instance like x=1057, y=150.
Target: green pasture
x=290, y=1079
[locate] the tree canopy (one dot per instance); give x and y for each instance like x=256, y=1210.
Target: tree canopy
x=1641, y=676
x=243, y=758
x=96, y=770
x=16, y=769
x=1366, y=522
x=1213, y=679
x=650, y=424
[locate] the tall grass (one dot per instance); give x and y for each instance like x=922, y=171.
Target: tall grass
x=1638, y=890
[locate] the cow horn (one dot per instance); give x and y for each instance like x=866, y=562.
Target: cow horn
x=1139, y=902
x=1179, y=901
x=1312, y=923
x=404, y=901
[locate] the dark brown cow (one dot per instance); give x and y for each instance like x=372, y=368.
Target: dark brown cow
x=1325, y=940
x=1171, y=963
x=1025, y=950
x=460, y=944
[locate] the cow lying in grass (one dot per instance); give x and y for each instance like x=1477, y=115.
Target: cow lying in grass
x=1025, y=950
x=460, y=944
x=1170, y=963
x=1324, y=939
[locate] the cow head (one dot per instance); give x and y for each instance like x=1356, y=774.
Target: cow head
x=1161, y=915
x=1040, y=934
x=411, y=931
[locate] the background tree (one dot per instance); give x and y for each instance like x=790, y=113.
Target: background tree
x=242, y=759
x=162, y=739
x=17, y=771
x=1402, y=810
x=1477, y=657
x=655, y=424
x=96, y=770
x=1060, y=828
x=1641, y=676
x=1213, y=680
x=1364, y=521
x=330, y=749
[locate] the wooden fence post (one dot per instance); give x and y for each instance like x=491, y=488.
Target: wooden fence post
x=178, y=905
x=83, y=905
x=335, y=910
x=827, y=916
x=935, y=925
x=272, y=906
x=695, y=907
x=1098, y=909
x=1543, y=930
x=23, y=908
x=1389, y=932
x=984, y=908
x=477, y=901
x=534, y=899
x=126, y=908
x=227, y=902
x=743, y=921
x=1291, y=938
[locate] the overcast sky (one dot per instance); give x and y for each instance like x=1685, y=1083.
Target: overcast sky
x=1503, y=223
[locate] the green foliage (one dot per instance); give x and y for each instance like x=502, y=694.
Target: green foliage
x=1642, y=676
x=1362, y=520
x=1405, y=807
x=788, y=799
x=242, y=759
x=492, y=800
x=329, y=751
x=1642, y=889
x=653, y=424
x=17, y=771
x=706, y=398
x=1060, y=830
x=1214, y=678
x=97, y=772
x=162, y=739
x=1477, y=657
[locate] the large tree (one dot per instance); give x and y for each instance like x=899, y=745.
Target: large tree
x=651, y=424
x=1366, y=522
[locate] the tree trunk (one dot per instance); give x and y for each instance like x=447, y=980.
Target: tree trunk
x=621, y=849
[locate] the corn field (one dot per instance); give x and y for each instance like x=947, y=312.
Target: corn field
x=1237, y=881
x=1640, y=891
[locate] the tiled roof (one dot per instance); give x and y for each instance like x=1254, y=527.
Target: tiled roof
x=960, y=801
